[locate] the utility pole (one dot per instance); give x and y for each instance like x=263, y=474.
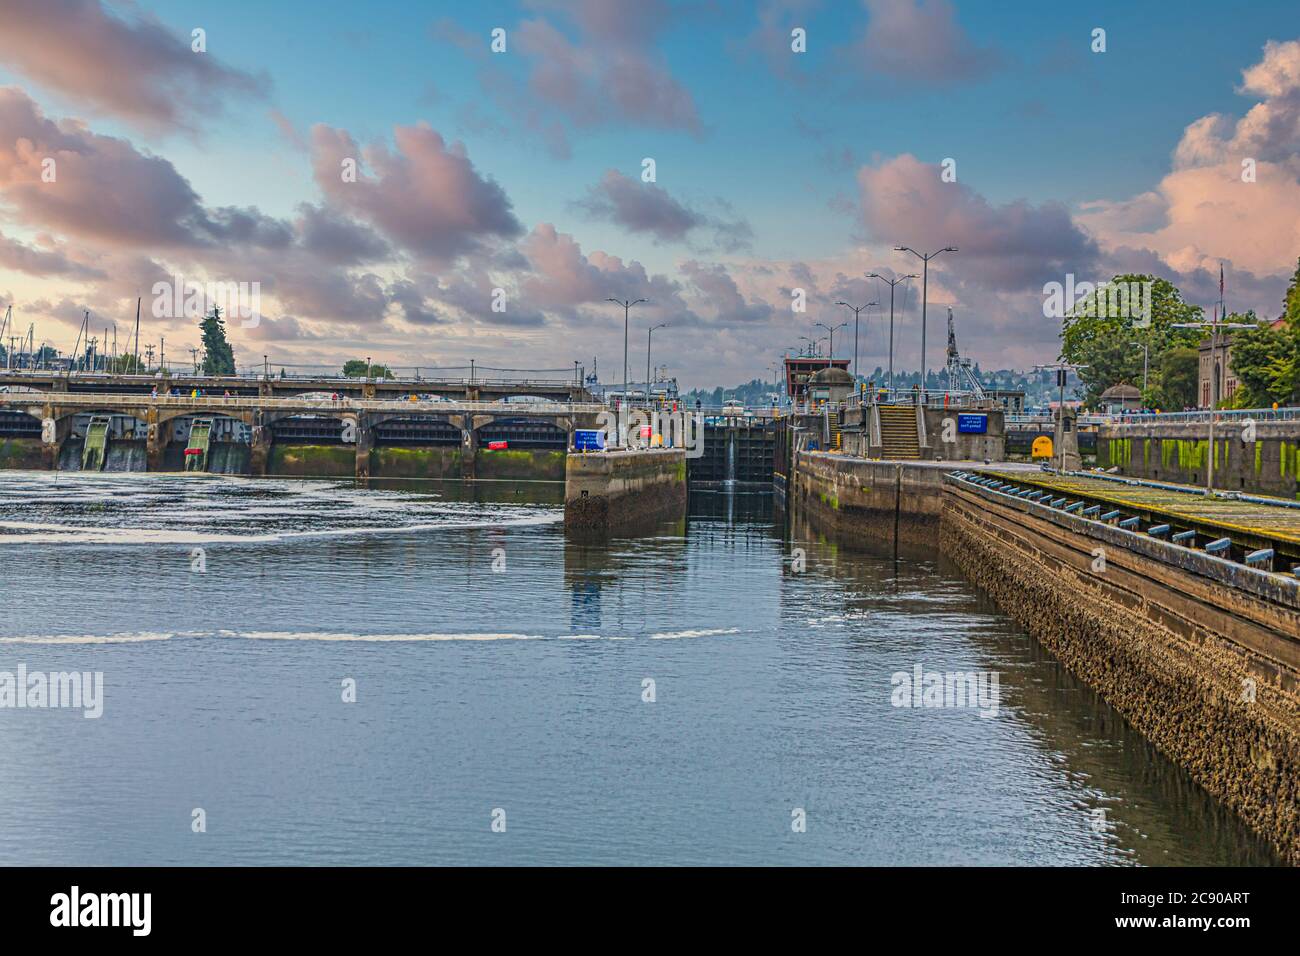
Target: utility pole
x=856, y=310
x=650, y=332
x=892, y=282
x=925, y=282
x=627, y=307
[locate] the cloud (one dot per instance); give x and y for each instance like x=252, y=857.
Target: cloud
x=920, y=42
x=1203, y=212
x=42, y=262
x=639, y=207
x=721, y=295
x=1010, y=246
x=132, y=67
x=562, y=277
x=426, y=197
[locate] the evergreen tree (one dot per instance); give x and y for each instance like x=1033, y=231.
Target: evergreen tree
x=218, y=356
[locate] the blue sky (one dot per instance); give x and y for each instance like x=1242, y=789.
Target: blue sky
x=1039, y=120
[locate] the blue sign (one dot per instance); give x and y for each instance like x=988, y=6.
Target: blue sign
x=973, y=424
x=588, y=440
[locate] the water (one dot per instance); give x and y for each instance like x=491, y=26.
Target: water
x=523, y=690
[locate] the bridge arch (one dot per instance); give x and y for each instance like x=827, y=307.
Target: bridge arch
x=523, y=432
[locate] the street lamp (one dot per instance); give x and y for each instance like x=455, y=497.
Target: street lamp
x=1062, y=370
x=925, y=282
x=650, y=332
x=856, y=309
x=627, y=305
x=892, y=282
x=1146, y=361
x=832, y=337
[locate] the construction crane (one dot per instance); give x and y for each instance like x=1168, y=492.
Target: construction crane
x=960, y=376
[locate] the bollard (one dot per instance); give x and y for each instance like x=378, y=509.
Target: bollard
x=1109, y=515
x=1263, y=558
x=1094, y=510
x=1182, y=536
x=1219, y=547
x=1074, y=507
x=1158, y=530
x=1128, y=524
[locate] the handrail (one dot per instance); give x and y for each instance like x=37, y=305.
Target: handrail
x=29, y=399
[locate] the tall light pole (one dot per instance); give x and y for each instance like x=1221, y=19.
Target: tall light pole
x=650, y=332
x=832, y=337
x=857, y=310
x=925, y=282
x=892, y=282
x=627, y=306
x=1146, y=361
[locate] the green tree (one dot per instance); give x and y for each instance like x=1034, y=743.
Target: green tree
x=1110, y=345
x=218, y=356
x=1177, y=380
x=127, y=365
x=356, y=368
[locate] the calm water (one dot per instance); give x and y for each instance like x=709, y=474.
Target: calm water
x=522, y=689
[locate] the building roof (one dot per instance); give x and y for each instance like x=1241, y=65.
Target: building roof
x=1121, y=391
x=833, y=376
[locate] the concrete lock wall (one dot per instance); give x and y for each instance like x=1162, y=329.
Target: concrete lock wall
x=624, y=490
x=1180, y=453
x=1200, y=655
x=942, y=424
x=1202, y=666
x=880, y=500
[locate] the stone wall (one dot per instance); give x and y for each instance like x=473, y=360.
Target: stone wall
x=624, y=490
x=1180, y=453
x=1179, y=653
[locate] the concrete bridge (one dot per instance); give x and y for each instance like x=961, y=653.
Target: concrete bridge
x=466, y=389
x=453, y=433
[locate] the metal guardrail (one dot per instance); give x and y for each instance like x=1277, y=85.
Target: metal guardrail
x=1220, y=415
x=244, y=402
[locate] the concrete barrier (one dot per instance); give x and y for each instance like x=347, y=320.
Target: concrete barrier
x=624, y=490
x=876, y=500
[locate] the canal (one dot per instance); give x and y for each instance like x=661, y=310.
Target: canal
x=706, y=696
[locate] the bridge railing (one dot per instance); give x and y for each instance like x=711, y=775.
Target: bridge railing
x=249, y=402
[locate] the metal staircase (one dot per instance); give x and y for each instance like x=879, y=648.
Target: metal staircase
x=95, y=450
x=898, y=437
x=196, y=450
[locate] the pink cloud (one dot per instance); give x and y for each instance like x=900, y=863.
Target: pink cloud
x=426, y=197
x=135, y=68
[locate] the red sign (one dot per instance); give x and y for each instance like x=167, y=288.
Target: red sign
x=497, y=445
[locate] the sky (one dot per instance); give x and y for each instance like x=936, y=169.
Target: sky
x=392, y=186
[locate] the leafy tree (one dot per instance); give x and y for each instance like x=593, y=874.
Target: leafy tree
x=1110, y=345
x=356, y=368
x=218, y=356
x=1177, y=380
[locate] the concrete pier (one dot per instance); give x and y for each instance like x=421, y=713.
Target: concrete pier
x=624, y=491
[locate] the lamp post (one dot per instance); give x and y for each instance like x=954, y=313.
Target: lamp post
x=892, y=282
x=856, y=310
x=832, y=336
x=1146, y=361
x=1062, y=370
x=925, y=282
x=627, y=306
x=650, y=332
